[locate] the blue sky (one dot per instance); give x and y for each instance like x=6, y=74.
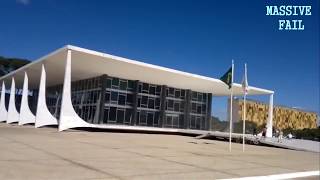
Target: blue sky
x=195, y=36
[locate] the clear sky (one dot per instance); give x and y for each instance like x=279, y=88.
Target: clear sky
x=195, y=36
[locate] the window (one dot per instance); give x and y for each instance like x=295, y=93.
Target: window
x=140, y=88
x=112, y=114
x=152, y=90
x=143, y=118
x=123, y=85
x=204, y=97
x=107, y=97
x=169, y=121
x=144, y=101
x=176, y=106
x=130, y=85
x=157, y=103
x=151, y=103
x=139, y=102
x=89, y=84
x=204, y=109
x=193, y=122
x=199, y=96
x=198, y=122
x=182, y=95
x=122, y=99
x=115, y=83
x=128, y=116
x=114, y=96
x=170, y=104
x=194, y=96
x=150, y=119
x=156, y=118
x=105, y=114
x=120, y=116
x=177, y=93
x=198, y=108
x=171, y=92
x=182, y=106
x=145, y=88
x=158, y=90
x=175, y=121
x=93, y=110
x=95, y=97
x=181, y=120
x=129, y=99
x=193, y=107
x=108, y=83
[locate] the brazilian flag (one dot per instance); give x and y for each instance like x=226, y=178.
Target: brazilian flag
x=227, y=77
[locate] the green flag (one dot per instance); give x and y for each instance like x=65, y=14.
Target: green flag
x=227, y=77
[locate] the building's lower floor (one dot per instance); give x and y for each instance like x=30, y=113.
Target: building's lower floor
x=111, y=100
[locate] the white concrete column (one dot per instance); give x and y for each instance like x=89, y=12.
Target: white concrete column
x=13, y=115
x=3, y=109
x=26, y=115
x=43, y=115
x=270, y=117
x=68, y=117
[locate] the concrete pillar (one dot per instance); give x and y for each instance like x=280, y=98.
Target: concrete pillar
x=208, y=118
x=43, y=115
x=163, y=100
x=68, y=117
x=134, y=120
x=100, y=106
x=26, y=115
x=187, y=109
x=3, y=110
x=13, y=115
x=270, y=117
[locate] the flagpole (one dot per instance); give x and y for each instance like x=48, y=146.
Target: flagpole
x=244, y=107
x=231, y=101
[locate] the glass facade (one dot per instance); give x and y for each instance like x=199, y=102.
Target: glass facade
x=148, y=104
x=53, y=99
x=112, y=100
x=198, y=112
x=175, y=108
x=118, y=101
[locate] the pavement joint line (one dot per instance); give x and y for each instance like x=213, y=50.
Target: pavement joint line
x=227, y=156
x=67, y=160
x=168, y=173
x=280, y=176
x=171, y=161
x=253, y=162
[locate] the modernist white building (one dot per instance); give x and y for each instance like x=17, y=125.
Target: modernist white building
x=75, y=87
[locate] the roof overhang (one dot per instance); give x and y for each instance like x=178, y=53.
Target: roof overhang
x=87, y=63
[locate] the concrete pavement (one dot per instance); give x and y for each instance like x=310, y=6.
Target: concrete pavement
x=45, y=153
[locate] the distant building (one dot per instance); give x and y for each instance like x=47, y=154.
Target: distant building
x=283, y=117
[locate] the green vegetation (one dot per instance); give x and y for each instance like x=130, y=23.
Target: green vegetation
x=223, y=126
x=309, y=134
x=218, y=125
x=10, y=64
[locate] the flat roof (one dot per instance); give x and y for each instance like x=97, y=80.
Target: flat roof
x=88, y=63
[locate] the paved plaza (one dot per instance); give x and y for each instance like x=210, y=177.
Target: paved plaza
x=45, y=153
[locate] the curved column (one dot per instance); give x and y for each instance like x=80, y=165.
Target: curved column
x=3, y=109
x=13, y=115
x=270, y=117
x=26, y=115
x=68, y=117
x=43, y=115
